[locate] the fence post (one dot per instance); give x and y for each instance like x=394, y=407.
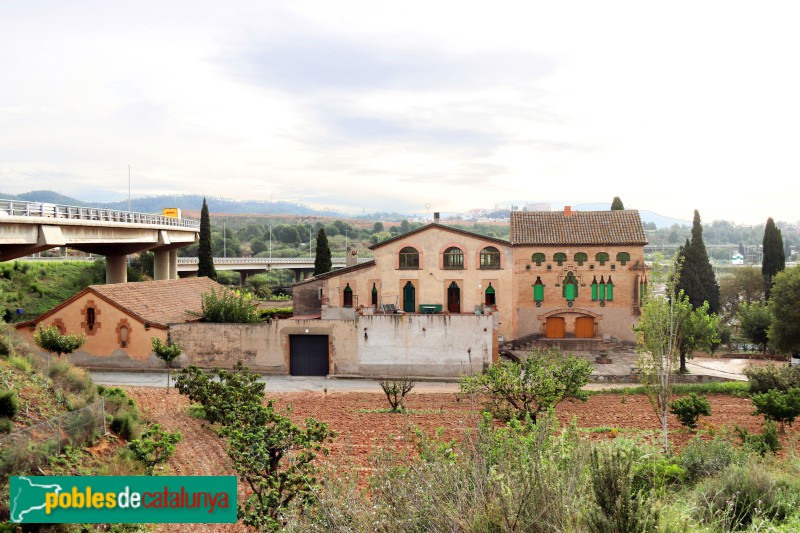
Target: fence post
x=103, y=414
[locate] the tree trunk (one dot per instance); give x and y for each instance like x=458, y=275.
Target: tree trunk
x=682, y=369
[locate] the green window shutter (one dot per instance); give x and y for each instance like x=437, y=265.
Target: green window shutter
x=569, y=291
x=538, y=292
x=609, y=290
x=594, y=289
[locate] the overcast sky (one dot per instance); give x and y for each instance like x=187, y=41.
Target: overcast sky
x=380, y=105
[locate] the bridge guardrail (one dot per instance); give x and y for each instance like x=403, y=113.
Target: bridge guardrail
x=71, y=212
x=259, y=260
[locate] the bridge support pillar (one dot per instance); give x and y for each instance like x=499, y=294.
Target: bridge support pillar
x=116, y=269
x=243, y=275
x=161, y=268
x=173, y=264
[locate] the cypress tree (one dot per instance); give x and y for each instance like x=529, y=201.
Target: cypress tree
x=616, y=205
x=322, y=260
x=741, y=248
x=774, y=257
x=697, y=278
x=205, y=255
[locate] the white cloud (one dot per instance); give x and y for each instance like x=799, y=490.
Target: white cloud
x=394, y=105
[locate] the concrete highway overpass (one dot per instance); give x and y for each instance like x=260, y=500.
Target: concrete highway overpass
x=303, y=267
x=30, y=227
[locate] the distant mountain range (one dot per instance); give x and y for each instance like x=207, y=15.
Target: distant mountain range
x=184, y=202
x=193, y=202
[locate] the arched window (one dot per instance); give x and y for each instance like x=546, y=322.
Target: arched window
x=490, y=258
x=538, y=258
x=90, y=318
x=560, y=258
x=609, y=290
x=409, y=297
x=453, y=298
x=348, y=297
x=623, y=257
x=454, y=258
x=538, y=290
x=601, y=258
x=595, y=292
x=409, y=258
x=374, y=300
x=580, y=257
x=490, y=296
x=570, y=289
x=123, y=336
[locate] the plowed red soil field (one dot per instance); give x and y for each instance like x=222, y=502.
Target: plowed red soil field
x=363, y=427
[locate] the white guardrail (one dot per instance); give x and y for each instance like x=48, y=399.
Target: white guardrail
x=261, y=260
x=19, y=208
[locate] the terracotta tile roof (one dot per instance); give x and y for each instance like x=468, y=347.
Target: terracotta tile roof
x=159, y=302
x=337, y=272
x=579, y=227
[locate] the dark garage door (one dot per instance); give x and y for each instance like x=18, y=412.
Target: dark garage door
x=308, y=355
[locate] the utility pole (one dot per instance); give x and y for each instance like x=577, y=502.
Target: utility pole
x=129, y=188
x=270, y=243
x=224, y=240
x=309, y=242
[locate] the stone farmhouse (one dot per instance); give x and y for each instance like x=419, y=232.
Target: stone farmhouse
x=434, y=302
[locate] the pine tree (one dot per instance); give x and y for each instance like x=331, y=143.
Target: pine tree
x=697, y=277
x=322, y=261
x=205, y=255
x=774, y=256
x=616, y=205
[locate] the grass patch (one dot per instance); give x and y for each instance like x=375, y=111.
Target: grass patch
x=732, y=388
x=195, y=410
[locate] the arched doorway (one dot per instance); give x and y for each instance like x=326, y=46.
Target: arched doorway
x=584, y=327
x=453, y=298
x=409, y=297
x=554, y=327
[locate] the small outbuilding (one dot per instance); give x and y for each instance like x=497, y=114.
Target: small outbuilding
x=120, y=319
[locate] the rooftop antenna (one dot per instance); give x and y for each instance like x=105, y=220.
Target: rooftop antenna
x=129, y=187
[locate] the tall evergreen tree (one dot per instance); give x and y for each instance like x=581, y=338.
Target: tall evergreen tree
x=774, y=256
x=741, y=248
x=205, y=255
x=616, y=205
x=697, y=277
x=322, y=261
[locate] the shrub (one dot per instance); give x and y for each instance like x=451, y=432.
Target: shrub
x=9, y=404
x=689, y=409
x=276, y=312
x=117, y=399
x=618, y=506
x=741, y=493
x=396, y=390
x=778, y=405
x=657, y=474
x=542, y=381
x=58, y=368
x=20, y=363
x=764, y=443
x=5, y=425
x=706, y=458
x=154, y=447
x=229, y=306
x=75, y=379
x=51, y=340
x=125, y=424
x=764, y=378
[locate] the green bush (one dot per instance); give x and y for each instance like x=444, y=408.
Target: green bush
x=154, y=447
x=20, y=363
x=542, y=381
x=731, y=501
x=9, y=404
x=765, y=442
x=657, y=474
x=276, y=312
x=778, y=405
x=229, y=306
x=58, y=367
x=764, y=378
x=689, y=409
x=5, y=425
x=702, y=458
x=618, y=506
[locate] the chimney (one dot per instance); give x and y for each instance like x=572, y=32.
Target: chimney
x=436, y=218
x=567, y=210
x=352, y=257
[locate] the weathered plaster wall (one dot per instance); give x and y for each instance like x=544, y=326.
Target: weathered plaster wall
x=103, y=346
x=424, y=345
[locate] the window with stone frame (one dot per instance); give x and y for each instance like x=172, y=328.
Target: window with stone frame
x=559, y=258
x=347, y=300
x=453, y=258
x=580, y=258
x=490, y=258
x=409, y=258
x=570, y=287
x=601, y=257
x=538, y=258
x=623, y=257
x=538, y=290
